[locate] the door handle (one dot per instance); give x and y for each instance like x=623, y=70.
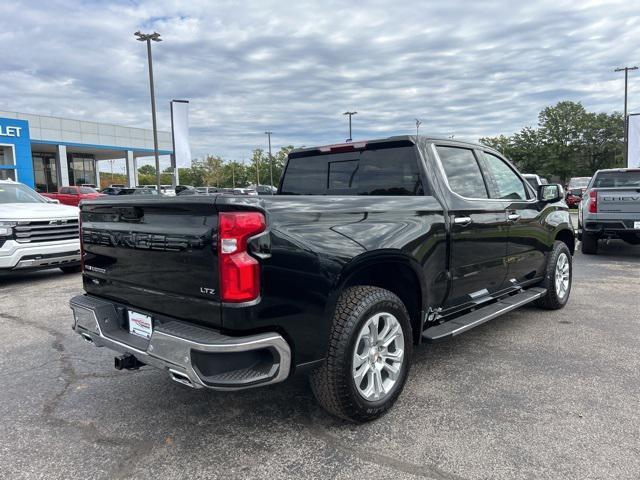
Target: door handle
x=514, y=217
x=463, y=221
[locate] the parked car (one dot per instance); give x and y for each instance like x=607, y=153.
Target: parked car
x=573, y=197
x=137, y=191
x=74, y=195
x=368, y=249
x=266, y=190
x=167, y=190
x=535, y=180
x=111, y=190
x=207, y=190
x=610, y=208
x=36, y=233
x=245, y=191
x=181, y=188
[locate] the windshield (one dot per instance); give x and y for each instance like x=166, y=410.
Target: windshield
x=579, y=182
x=18, y=194
x=630, y=178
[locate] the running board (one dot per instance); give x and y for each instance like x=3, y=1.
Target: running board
x=481, y=315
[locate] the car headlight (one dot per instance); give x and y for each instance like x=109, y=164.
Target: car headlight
x=6, y=229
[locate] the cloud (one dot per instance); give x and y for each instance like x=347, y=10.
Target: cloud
x=465, y=68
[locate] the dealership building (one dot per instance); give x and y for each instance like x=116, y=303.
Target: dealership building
x=50, y=152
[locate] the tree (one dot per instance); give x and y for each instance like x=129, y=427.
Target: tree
x=147, y=170
x=568, y=141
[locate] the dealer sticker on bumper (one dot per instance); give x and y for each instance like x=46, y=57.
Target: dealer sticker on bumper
x=140, y=324
x=636, y=225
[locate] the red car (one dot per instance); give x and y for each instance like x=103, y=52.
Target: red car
x=73, y=195
x=575, y=189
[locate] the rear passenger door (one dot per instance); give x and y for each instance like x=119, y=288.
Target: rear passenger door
x=479, y=229
x=527, y=231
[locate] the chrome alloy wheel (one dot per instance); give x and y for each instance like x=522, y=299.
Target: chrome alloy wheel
x=562, y=275
x=378, y=356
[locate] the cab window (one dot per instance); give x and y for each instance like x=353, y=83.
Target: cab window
x=503, y=182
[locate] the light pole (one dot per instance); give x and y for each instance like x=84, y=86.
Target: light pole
x=268, y=134
x=418, y=123
x=351, y=114
x=626, y=132
x=147, y=37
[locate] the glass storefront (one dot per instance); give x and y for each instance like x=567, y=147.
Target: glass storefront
x=45, y=172
x=6, y=160
x=82, y=169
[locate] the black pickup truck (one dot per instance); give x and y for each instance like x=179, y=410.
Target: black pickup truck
x=368, y=249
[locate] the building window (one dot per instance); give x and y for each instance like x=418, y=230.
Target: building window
x=45, y=172
x=7, y=163
x=82, y=169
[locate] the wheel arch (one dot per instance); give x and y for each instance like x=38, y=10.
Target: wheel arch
x=394, y=271
x=567, y=236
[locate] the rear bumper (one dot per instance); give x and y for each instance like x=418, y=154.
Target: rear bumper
x=192, y=355
x=610, y=227
x=19, y=256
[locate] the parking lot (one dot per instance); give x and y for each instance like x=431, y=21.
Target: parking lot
x=533, y=394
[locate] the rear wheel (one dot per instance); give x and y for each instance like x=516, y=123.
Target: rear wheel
x=369, y=355
x=589, y=244
x=558, y=278
x=74, y=269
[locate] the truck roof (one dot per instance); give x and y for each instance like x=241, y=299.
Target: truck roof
x=408, y=139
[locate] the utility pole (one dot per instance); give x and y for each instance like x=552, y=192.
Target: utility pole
x=351, y=114
x=147, y=37
x=626, y=130
x=418, y=123
x=268, y=134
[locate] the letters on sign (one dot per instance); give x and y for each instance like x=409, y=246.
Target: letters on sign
x=10, y=131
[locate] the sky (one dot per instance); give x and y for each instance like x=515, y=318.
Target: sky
x=464, y=68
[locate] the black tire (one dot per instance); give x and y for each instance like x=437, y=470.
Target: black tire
x=74, y=269
x=333, y=384
x=589, y=244
x=554, y=299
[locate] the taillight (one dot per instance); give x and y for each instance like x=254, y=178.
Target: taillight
x=593, y=201
x=239, y=272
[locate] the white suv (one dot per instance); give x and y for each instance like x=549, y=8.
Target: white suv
x=36, y=233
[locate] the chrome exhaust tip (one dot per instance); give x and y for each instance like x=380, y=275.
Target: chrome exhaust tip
x=181, y=378
x=86, y=337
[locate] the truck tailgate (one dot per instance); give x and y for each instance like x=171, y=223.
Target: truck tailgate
x=157, y=255
x=619, y=200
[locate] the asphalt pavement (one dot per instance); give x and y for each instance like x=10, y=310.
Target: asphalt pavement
x=532, y=395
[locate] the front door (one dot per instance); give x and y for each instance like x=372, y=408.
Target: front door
x=479, y=230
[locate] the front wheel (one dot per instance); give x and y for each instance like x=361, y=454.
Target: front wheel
x=559, y=275
x=370, y=349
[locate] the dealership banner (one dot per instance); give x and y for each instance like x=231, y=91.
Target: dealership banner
x=633, y=148
x=180, y=132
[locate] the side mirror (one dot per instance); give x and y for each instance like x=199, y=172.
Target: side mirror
x=550, y=193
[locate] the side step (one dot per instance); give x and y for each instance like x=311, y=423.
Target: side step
x=478, y=317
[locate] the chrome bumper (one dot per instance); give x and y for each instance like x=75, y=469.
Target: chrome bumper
x=192, y=355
